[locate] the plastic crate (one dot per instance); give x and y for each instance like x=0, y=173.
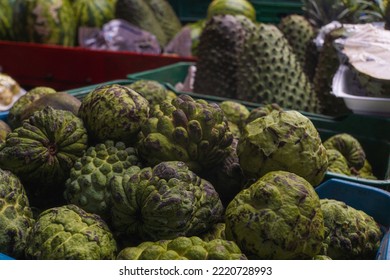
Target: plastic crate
x=5, y=257
x=373, y=201
x=372, y=132
x=64, y=68
x=266, y=11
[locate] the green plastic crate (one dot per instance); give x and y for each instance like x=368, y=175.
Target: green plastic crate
x=371, y=131
x=266, y=11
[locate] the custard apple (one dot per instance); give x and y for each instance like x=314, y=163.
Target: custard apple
x=183, y=248
x=43, y=150
x=187, y=130
x=113, y=112
x=349, y=233
x=69, y=233
x=16, y=218
x=163, y=202
x=89, y=183
x=349, y=147
x=15, y=113
x=277, y=217
x=282, y=140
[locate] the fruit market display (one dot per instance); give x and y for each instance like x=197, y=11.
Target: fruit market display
x=182, y=186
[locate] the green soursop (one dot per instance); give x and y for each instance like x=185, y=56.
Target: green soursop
x=183, y=248
x=349, y=233
x=16, y=217
x=262, y=111
x=269, y=72
x=89, y=183
x=219, y=52
x=277, y=217
x=282, y=140
x=193, y=131
x=163, y=202
x=300, y=34
x=113, y=112
x=70, y=233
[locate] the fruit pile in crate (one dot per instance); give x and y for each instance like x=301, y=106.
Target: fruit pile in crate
x=132, y=170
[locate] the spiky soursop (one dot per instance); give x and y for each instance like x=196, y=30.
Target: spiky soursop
x=89, y=183
x=269, y=72
x=219, y=51
x=16, y=218
x=43, y=150
x=51, y=22
x=70, y=233
x=113, y=112
x=188, y=130
x=163, y=202
x=349, y=233
x=277, y=217
x=283, y=140
x=15, y=113
x=183, y=248
x=300, y=34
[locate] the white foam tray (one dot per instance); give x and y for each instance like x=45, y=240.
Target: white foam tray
x=354, y=97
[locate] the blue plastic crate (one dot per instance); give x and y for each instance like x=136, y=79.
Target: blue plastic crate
x=5, y=257
x=375, y=202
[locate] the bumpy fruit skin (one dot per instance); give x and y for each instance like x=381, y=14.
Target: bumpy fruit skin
x=188, y=130
x=183, y=248
x=337, y=162
x=16, y=218
x=263, y=111
x=163, y=203
x=227, y=177
x=349, y=147
x=15, y=113
x=44, y=149
x=217, y=231
x=365, y=172
x=349, y=233
x=89, y=183
x=70, y=233
x=322, y=258
x=4, y=131
x=283, y=140
x=151, y=90
x=113, y=112
x=235, y=112
x=277, y=217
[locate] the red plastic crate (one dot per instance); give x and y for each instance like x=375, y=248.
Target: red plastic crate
x=65, y=68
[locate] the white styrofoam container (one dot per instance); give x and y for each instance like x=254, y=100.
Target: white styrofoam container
x=344, y=86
